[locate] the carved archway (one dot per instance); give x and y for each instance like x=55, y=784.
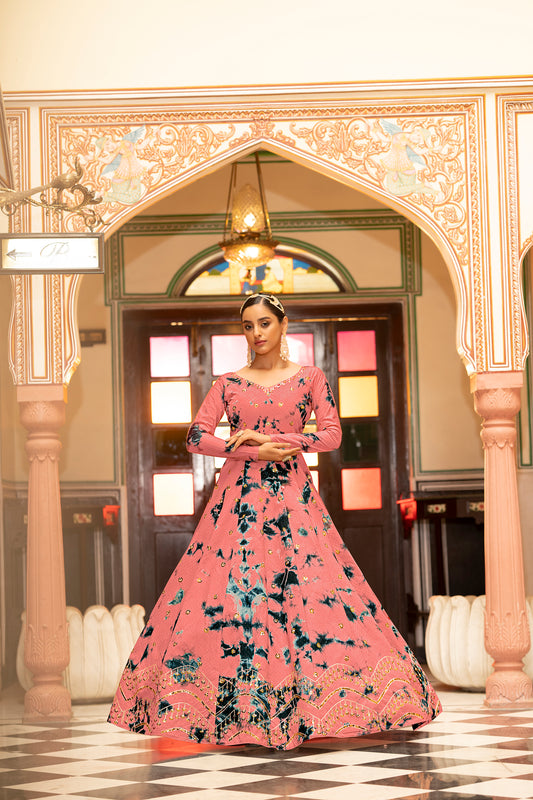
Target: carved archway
x=423, y=158
x=419, y=158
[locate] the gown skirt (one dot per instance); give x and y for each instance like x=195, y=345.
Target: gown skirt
x=267, y=631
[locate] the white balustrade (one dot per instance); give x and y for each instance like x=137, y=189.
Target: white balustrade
x=100, y=642
x=455, y=641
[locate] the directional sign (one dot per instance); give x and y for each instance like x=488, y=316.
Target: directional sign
x=44, y=253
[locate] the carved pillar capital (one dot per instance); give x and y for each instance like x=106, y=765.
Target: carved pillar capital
x=497, y=401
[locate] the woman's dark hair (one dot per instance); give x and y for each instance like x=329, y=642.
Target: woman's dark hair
x=267, y=299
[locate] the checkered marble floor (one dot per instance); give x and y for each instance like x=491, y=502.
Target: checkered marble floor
x=468, y=752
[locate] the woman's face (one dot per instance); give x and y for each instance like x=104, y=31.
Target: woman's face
x=262, y=328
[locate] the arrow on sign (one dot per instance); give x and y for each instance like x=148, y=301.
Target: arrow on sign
x=13, y=254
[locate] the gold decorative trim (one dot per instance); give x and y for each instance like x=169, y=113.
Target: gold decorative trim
x=311, y=91
x=509, y=108
x=18, y=133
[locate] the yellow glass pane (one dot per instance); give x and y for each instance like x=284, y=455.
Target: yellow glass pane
x=358, y=396
x=171, y=401
x=311, y=459
x=173, y=494
x=361, y=488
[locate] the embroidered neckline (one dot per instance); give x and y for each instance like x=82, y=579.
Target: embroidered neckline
x=274, y=385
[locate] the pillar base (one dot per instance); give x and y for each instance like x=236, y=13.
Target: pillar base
x=49, y=703
x=509, y=688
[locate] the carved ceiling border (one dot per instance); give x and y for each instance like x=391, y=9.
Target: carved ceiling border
x=421, y=157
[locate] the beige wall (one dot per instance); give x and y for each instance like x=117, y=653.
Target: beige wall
x=89, y=434
x=449, y=426
x=61, y=45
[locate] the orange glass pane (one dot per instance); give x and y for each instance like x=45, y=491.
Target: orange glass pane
x=358, y=396
x=169, y=357
x=228, y=353
x=171, y=401
x=314, y=476
x=361, y=488
x=301, y=348
x=173, y=494
x=356, y=351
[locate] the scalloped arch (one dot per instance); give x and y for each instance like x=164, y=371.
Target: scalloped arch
x=420, y=159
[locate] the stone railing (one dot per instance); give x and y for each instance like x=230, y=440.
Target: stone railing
x=100, y=642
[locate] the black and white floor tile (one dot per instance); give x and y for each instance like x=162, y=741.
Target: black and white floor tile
x=468, y=752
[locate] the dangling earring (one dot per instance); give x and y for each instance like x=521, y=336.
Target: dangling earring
x=249, y=358
x=284, y=348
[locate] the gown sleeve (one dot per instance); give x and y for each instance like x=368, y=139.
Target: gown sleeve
x=328, y=434
x=201, y=438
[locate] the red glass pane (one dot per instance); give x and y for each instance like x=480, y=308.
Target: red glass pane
x=228, y=353
x=301, y=349
x=356, y=351
x=169, y=356
x=361, y=488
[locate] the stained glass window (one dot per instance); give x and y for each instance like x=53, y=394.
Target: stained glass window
x=356, y=351
x=311, y=459
x=170, y=447
x=361, y=488
x=358, y=396
x=169, y=356
x=360, y=442
x=171, y=401
x=173, y=494
x=301, y=349
x=284, y=274
x=228, y=353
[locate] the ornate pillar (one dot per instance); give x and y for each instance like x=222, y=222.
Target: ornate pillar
x=42, y=412
x=44, y=352
x=497, y=401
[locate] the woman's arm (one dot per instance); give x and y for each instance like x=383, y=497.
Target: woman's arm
x=329, y=434
x=201, y=438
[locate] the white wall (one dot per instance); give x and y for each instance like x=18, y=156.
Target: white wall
x=121, y=44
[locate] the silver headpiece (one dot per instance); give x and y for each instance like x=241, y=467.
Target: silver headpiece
x=270, y=298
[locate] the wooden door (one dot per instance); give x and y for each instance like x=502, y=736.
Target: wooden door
x=169, y=368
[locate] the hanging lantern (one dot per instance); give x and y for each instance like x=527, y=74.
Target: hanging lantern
x=247, y=236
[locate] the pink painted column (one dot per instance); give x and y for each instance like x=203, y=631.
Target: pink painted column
x=497, y=401
x=42, y=412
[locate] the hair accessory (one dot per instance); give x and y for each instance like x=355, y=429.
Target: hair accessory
x=270, y=298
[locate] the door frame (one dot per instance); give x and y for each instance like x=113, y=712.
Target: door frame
x=298, y=309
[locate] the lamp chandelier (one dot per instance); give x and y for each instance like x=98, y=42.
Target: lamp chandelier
x=248, y=239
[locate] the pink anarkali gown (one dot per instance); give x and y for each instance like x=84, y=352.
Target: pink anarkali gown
x=267, y=632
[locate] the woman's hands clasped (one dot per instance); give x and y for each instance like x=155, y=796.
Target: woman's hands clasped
x=268, y=451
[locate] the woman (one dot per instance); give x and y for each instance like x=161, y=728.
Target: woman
x=267, y=631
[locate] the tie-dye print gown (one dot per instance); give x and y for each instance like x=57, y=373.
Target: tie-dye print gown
x=267, y=631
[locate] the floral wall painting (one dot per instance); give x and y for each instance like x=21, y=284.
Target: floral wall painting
x=123, y=173
x=281, y=275
x=401, y=168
